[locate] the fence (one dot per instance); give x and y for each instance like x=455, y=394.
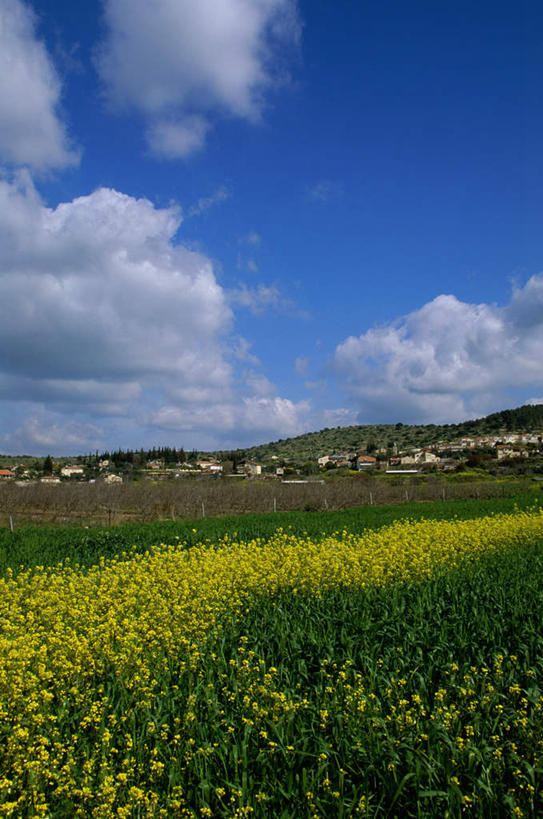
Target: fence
x=99, y=504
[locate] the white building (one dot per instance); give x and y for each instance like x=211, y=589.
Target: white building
x=69, y=471
x=113, y=479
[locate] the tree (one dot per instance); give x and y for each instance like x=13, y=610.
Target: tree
x=48, y=466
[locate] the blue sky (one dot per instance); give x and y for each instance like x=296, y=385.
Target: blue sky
x=232, y=221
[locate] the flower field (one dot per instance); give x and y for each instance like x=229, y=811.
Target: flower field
x=389, y=673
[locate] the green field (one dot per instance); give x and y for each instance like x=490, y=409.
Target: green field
x=392, y=669
x=415, y=700
x=48, y=545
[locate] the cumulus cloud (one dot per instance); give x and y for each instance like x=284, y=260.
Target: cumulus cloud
x=242, y=351
x=111, y=332
x=169, y=139
x=93, y=396
x=260, y=385
x=447, y=360
x=96, y=299
x=47, y=433
x=252, y=415
x=340, y=417
x=182, y=63
x=31, y=130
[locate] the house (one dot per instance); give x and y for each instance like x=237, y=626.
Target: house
x=427, y=457
x=408, y=459
x=50, y=479
x=323, y=460
x=6, y=474
x=468, y=443
x=365, y=462
x=112, y=478
x=343, y=458
x=503, y=451
x=251, y=468
x=70, y=471
x=211, y=465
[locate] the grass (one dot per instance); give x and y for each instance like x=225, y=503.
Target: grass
x=417, y=700
x=396, y=674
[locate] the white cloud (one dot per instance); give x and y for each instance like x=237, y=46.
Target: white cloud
x=258, y=298
x=252, y=415
x=252, y=238
x=47, y=433
x=323, y=190
x=206, y=202
x=279, y=415
x=340, y=417
x=97, y=302
x=100, y=397
x=446, y=361
x=182, y=63
x=242, y=351
x=260, y=385
x=264, y=297
x=31, y=131
x=110, y=332
x=176, y=139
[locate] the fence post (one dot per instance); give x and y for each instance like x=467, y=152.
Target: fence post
x=10, y=523
x=371, y=498
x=275, y=504
x=407, y=496
x=326, y=504
x=203, y=510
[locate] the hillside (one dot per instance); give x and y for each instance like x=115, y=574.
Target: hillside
x=311, y=445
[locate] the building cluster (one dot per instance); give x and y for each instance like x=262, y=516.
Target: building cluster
x=444, y=455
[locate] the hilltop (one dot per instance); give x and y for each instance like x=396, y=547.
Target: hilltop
x=311, y=445
x=385, y=438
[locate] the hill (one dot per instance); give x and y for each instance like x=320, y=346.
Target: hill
x=311, y=445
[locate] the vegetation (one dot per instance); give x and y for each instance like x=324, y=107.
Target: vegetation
x=98, y=503
x=357, y=674
x=304, y=449
x=49, y=545
x=314, y=444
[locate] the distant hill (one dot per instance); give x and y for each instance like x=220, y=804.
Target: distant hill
x=311, y=445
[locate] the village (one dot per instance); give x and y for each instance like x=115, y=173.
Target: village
x=490, y=452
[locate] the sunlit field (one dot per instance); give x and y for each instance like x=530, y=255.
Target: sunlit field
x=390, y=673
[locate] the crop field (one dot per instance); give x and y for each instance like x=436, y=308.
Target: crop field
x=389, y=672
x=29, y=545
x=98, y=504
